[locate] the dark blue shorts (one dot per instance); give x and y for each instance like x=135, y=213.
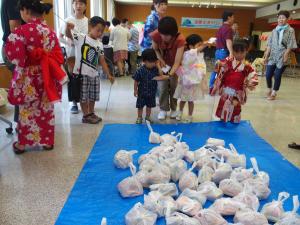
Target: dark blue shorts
x=150, y=102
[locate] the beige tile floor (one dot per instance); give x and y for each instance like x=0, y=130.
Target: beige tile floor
x=34, y=186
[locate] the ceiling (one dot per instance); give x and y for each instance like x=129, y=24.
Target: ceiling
x=209, y=3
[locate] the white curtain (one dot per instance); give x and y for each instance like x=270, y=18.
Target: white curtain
x=96, y=8
x=110, y=10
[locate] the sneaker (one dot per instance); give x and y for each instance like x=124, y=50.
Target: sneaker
x=272, y=97
x=89, y=119
x=189, y=119
x=162, y=115
x=74, y=109
x=173, y=114
x=149, y=119
x=269, y=93
x=179, y=116
x=93, y=115
x=139, y=120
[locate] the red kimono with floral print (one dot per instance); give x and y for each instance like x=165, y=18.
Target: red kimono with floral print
x=234, y=78
x=36, y=83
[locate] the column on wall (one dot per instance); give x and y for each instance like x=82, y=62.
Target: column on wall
x=110, y=9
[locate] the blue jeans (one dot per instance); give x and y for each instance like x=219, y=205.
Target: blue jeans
x=272, y=70
x=219, y=55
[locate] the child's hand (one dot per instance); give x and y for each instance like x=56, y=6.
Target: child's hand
x=111, y=79
x=162, y=63
x=135, y=93
x=161, y=77
x=70, y=26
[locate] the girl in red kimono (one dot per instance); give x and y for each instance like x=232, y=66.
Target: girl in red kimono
x=235, y=76
x=37, y=78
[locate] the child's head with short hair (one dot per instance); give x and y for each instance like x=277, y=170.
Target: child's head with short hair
x=149, y=58
x=115, y=21
x=79, y=7
x=29, y=8
x=96, y=27
x=193, y=41
x=240, y=48
x=167, y=28
x=105, y=40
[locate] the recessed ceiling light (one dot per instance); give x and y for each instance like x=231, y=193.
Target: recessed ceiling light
x=294, y=12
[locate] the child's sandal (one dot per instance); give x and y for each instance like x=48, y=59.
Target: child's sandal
x=17, y=149
x=139, y=120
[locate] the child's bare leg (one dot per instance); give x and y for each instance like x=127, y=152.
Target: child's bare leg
x=148, y=112
x=85, y=108
x=181, y=106
x=191, y=108
x=91, y=107
x=140, y=113
x=120, y=67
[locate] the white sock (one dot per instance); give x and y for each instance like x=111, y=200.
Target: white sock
x=273, y=93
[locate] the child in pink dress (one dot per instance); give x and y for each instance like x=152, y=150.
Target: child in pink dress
x=192, y=84
x=235, y=76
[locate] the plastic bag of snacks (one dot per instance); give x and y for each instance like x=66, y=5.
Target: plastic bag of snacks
x=195, y=195
x=259, y=187
x=177, y=168
x=189, y=156
x=210, y=217
x=235, y=159
x=240, y=174
x=188, y=206
x=130, y=186
x=168, y=139
x=248, y=198
x=227, y=206
x=274, y=210
x=222, y=171
x=231, y=187
x=154, y=138
x=188, y=180
x=249, y=217
x=181, y=219
x=159, y=204
x=123, y=158
x=138, y=215
x=169, y=189
x=210, y=190
x=291, y=218
x=205, y=174
x=215, y=142
x=263, y=176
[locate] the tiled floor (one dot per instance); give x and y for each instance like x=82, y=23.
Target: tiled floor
x=34, y=186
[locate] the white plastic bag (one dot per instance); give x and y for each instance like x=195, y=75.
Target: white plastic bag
x=235, y=159
x=138, y=215
x=291, y=218
x=274, y=210
x=222, y=171
x=227, y=206
x=169, y=189
x=189, y=156
x=249, y=217
x=240, y=174
x=210, y=190
x=104, y=221
x=205, y=174
x=231, y=187
x=263, y=176
x=215, y=142
x=123, y=158
x=168, y=139
x=180, y=219
x=154, y=138
x=210, y=217
x=158, y=174
x=181, y=148
x=188, y=180
x=248, y=198
x=259, y=187
x=159, y=204
x=177, y=168
x=188, y=206
x=130, y=186
x=195, y=195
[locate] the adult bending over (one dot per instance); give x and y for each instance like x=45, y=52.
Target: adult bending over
x=280, y=43
x=169, y=47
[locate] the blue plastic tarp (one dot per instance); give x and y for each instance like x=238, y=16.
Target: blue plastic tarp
x=95, y=193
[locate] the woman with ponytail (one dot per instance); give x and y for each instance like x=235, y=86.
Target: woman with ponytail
x=37, y=78
x=158, y=10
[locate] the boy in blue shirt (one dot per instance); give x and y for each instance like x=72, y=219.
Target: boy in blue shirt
x=145, y=84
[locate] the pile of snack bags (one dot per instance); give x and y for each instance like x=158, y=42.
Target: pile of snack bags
x=181, y=181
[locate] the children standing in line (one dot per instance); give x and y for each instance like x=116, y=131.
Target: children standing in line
x=88, y=54
x=81, y=25
x=235, y=76
x=145, y=84
x=192, y=76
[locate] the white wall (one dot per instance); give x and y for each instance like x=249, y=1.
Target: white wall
x=272, y=9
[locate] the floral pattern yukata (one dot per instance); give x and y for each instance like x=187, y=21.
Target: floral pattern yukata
x=232, y=82
x=36, y=122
